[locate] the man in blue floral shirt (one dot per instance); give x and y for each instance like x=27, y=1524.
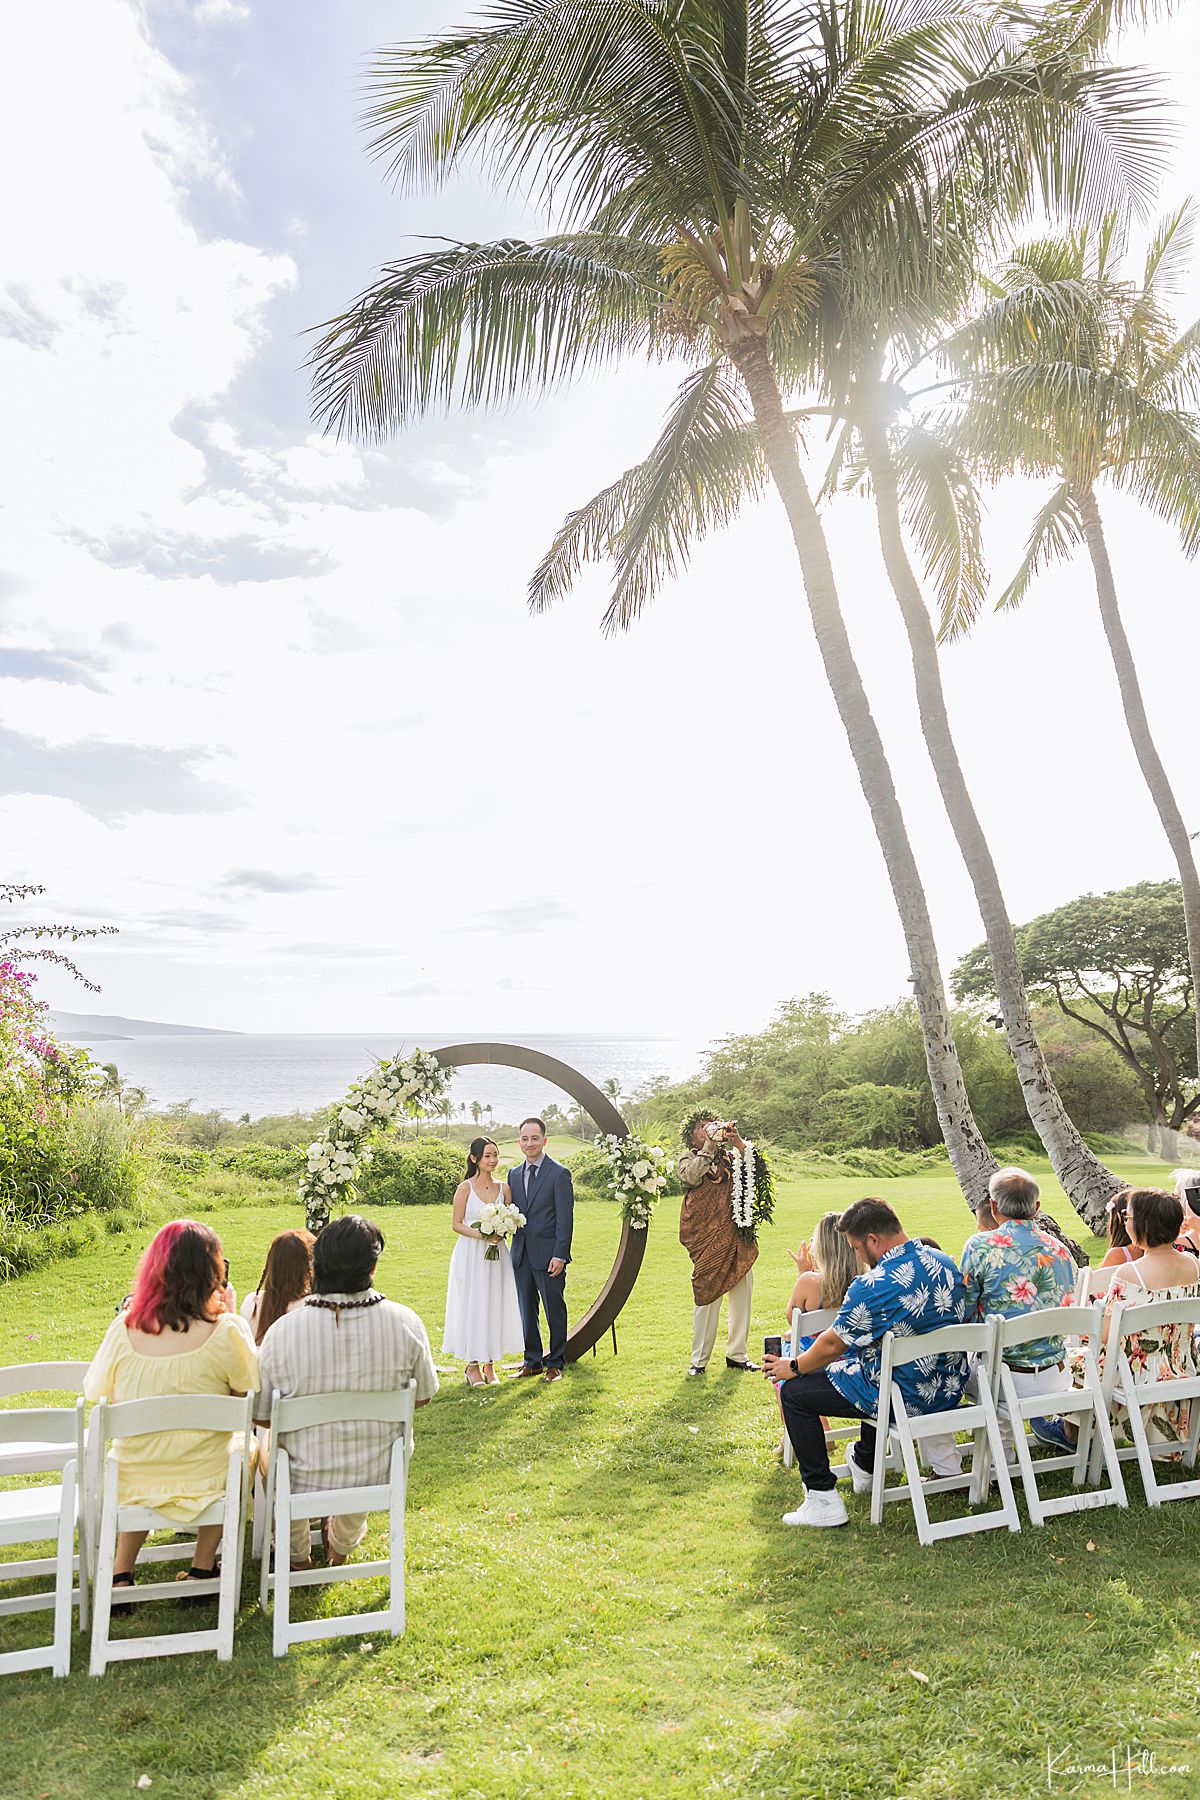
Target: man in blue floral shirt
x=907, y=1288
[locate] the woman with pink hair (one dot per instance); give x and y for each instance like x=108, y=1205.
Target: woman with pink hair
x=174, y=1337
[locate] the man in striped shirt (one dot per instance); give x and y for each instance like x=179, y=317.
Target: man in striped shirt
x=345, y=1337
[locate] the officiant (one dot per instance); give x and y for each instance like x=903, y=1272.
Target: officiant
x=722, y=1262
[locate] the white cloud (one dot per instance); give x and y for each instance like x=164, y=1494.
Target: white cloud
x=420, y=785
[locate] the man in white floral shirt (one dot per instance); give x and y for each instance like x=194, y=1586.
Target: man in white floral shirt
x=1018, y=1268
x=907, y=1288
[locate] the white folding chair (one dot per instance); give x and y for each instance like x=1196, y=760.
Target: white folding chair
x=1091, y=1283
x=1084, y=1324
x=283, y=1505
x=31, y=1515
x=1120, y=1384
x=142, y=1418
x=812, y=1324
x=29, y=1455
x=907, y=1430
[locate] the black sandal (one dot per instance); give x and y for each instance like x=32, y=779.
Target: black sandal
x=195, y=1574
x=122, y=1606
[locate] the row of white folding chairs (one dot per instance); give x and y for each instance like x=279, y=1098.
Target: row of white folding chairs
x=1088, y=1397
x=85, y=1502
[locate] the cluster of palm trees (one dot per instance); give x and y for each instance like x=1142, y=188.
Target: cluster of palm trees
x=801, y=200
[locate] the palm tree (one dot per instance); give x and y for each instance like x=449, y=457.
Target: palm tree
x=612, y=1088
x=1078, y=372
x=476, y=1111
x=921, y=488
x=706, y=159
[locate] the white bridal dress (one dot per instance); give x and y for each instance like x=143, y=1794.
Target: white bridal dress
x=483, y=1320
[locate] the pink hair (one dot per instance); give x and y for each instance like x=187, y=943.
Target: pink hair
x=153, y=1284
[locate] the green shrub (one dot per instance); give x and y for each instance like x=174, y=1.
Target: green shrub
x=424, y=1173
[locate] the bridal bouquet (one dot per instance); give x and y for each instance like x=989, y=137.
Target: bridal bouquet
x=639, y=1175
x=498, y=1221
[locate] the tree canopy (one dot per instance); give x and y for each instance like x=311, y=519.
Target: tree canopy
x=1118, y=964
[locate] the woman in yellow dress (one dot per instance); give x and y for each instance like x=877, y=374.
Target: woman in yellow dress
x=174, y=1337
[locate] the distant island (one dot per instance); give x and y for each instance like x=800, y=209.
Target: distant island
x=96, y=1028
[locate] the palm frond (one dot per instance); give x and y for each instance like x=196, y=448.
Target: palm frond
x=940, y=506
x=482, y=324
x=706, y=464
x=1057, y=531
x=578, y=94
x=1159, y=464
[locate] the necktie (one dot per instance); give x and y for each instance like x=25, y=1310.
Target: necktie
x=530, y=1178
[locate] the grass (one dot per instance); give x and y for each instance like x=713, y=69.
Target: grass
x=602, y=1599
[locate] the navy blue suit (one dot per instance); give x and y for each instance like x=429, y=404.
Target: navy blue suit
x=549, y=1208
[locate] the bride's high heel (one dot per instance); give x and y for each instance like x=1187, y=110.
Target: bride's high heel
x=490, y=1377
x=482, y=1382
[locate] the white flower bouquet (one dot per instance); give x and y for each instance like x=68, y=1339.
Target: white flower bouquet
x=639, y=1175
x=407, y=1084
x=497, y=1223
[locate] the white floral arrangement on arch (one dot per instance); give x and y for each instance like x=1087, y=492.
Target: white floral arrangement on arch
x=407, y=1083
x=639, y=1175
x=498, y=1223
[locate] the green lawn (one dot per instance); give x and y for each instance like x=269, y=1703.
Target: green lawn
x=644, y=1625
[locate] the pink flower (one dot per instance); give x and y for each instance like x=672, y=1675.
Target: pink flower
x=1022, y=1291
x=1000, y=1237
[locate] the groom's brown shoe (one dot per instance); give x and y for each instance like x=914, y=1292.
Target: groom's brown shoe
x=553, y=1375
x=527, y=1369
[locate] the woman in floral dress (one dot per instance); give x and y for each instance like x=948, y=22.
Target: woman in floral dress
x=1167, y=1351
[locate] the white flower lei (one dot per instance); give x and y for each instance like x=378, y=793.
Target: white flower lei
x=741, y=1193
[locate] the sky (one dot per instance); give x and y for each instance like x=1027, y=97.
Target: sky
x=273, y=704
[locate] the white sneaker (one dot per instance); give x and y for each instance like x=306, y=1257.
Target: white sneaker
x=860, y=1478
x=822, y=1509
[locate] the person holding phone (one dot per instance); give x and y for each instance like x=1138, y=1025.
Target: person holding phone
x=722, y=1263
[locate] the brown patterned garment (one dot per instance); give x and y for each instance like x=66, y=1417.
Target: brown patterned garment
x=706, y=1228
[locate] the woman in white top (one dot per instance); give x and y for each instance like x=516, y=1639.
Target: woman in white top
x=283, y=1284
x=483, y=1319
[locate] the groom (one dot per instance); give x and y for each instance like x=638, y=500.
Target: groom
x=541, y=1249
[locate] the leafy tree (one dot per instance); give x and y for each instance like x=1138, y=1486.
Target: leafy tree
x=708, y=158
x=1118, y=964
x=1077, y=371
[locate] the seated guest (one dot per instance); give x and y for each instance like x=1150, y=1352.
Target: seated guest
x=285, y=1281
x=1120, y=1250
x=343, y=1337
x=825, y=1269
x=907, y=1287
x=1186, y=1183
x=174, y=1337
x=986, y=1219
x=1164, y=1352
x=1016, y=1269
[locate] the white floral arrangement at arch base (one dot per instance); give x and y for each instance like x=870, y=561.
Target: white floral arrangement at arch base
x=407, y=1084
x=639, y=1175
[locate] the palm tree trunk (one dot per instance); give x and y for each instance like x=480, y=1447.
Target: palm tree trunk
x=1144, y=747
x=1084, y=1179
x=972, y=1161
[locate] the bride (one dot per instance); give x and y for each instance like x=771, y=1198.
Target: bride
x=483, y=1320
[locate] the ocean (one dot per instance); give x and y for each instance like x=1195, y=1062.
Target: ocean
x=252, y=1074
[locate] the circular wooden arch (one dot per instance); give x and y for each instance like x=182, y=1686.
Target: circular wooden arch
x=603, y=1311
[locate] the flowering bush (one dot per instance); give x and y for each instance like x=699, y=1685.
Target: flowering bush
x=639, y=1175
x=59, y=1160
x=408, y=1084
